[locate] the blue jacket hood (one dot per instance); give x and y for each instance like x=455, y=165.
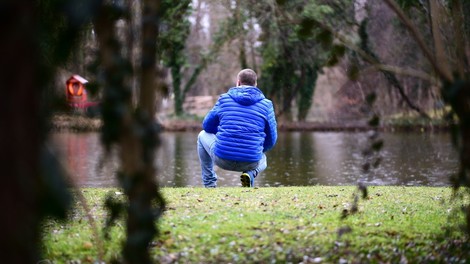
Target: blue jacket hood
x=246, y=95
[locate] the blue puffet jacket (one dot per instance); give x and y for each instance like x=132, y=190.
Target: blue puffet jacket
x=244, y=122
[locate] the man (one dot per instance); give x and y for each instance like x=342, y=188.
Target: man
x=238, y=131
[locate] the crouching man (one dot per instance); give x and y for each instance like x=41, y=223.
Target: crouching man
x=237, y=132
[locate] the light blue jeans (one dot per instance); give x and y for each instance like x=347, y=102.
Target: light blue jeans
x=205, y=149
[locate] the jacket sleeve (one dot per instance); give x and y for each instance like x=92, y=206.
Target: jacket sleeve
x=211, y=121
x=270, y=129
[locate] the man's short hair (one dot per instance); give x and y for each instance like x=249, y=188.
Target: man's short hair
x=247, y=77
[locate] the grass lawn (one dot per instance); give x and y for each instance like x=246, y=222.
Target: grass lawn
x=278, y=225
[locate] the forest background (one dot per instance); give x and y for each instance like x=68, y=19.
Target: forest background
x=309, y=76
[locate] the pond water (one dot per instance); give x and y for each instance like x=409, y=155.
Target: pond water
x=298, y=159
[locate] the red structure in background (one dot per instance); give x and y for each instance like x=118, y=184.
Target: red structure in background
x=76, y=93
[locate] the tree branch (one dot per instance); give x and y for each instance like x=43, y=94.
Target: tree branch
x=406, y=72
x=443, y=73
x=366, y=54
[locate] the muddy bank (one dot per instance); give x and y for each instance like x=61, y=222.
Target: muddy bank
x=75, y=123
x=78, y=123
x=358, y=126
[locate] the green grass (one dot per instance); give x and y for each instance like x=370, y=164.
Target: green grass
x=279, y=225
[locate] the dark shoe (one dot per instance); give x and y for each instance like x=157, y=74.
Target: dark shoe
x=246, y=180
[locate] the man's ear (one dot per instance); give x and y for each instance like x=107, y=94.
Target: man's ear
x=238, y=82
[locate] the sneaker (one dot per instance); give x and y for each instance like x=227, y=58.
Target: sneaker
x=246, y=180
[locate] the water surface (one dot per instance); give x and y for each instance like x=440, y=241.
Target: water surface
x=298, y=159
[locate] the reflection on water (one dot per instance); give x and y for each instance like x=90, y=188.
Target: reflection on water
x=299, y=158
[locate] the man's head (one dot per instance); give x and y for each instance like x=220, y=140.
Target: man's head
x=246, y=77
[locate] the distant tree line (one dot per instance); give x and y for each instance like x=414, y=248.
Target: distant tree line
x=290, y=43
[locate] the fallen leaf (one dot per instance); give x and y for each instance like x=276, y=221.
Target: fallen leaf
x=169, y=242
x=87, y=245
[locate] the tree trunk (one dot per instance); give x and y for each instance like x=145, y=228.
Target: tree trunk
x=133, y=130
x=141, y=228
x=20, y=136
x=179, y=98
x=460, y=102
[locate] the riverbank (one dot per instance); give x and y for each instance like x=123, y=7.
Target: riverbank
x=278, y=225
x=80, y=123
